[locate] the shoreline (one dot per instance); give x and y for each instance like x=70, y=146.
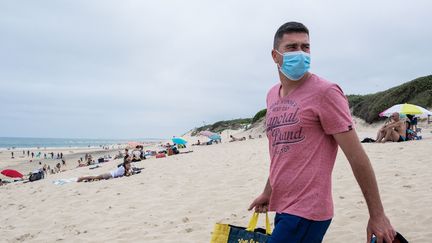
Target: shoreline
x=25, y=164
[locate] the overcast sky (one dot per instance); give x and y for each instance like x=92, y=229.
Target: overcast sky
x=134, y=69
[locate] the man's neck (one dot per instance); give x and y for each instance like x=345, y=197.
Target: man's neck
x=289, y=85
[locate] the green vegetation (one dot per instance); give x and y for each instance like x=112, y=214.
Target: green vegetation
x=262, y=113
x=417, y=92
x=223, y=125
x=367, y=107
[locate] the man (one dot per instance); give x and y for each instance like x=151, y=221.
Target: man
x=307, y=118
x=395, y=131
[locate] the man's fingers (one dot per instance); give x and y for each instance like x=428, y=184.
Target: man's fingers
x=390, y=236
x=379, y=239
x=258, y=209
x=251, y=206
x=368, y=236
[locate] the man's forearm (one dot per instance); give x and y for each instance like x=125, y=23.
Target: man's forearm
x=362, y=170
x=365, y=177
x=267, y=189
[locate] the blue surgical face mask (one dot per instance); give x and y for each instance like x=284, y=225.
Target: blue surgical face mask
x=295, y=64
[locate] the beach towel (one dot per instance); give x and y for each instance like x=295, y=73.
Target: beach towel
x=225, y=233
x=64, y=181
x=95, y=167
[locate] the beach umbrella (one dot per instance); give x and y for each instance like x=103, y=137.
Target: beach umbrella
x=12, y=173
x=406, y=109
x=211, y=135
x=178, y=140
x=206, y=133
x=215, y=137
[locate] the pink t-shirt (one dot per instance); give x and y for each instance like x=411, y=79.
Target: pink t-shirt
x=302, y=149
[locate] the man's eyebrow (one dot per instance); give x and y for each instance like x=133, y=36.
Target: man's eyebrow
x=296, y=44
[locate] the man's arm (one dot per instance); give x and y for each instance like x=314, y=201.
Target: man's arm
x=394, y=124
x=379, y=224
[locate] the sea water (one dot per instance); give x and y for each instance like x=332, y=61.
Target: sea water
x=19, y=142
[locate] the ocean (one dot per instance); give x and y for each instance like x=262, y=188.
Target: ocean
x=9, y=142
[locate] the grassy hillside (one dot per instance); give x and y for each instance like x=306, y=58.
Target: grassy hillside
x=223, y=125
x=367, y=107
x=417, y=91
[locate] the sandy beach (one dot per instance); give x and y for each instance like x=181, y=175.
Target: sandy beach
x=181, y=197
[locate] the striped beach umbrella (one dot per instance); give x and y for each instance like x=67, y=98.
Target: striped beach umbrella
x=406, y=109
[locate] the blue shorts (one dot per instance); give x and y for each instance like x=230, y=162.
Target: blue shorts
x=295, y=229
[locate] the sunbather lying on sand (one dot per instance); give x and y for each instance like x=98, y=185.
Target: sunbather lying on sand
x=234, y=139
x=124, y=170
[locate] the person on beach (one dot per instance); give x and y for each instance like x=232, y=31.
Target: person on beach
x=395, y=131
x=307, y=118
x=124, y=170
x=234, y=139
x=58, y=168
x=412, y=122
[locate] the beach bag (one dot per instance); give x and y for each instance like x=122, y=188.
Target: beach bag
x=36, y=176
x=398, y=239
x=225, y=233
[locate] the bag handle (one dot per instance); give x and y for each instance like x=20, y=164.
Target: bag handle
x=254, y=221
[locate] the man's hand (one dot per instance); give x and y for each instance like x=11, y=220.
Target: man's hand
x=381, y=228
x=260, y=203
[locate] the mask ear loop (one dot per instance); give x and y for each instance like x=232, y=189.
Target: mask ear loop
x=279, y=66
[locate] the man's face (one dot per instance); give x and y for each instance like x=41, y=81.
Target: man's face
x=289, y=43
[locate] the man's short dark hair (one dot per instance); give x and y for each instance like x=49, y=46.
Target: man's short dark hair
x=288, y=28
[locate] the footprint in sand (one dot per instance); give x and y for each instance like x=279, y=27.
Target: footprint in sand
x=24, y=237
x=188, y=230
x=10, y=227
x=185, y=219
x=407, y=186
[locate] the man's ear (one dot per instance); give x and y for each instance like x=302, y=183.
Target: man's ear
x=274, y=56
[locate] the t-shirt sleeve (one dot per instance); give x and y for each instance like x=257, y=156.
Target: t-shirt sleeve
x=334, y=112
